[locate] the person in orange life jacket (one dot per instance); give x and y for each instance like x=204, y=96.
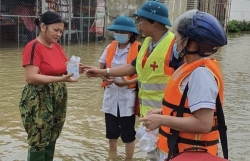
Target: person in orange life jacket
x=154, y=64
x=118, y=102
x=198, y=35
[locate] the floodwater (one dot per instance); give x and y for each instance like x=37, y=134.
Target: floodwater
x=83, y=136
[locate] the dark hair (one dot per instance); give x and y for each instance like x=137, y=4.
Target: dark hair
x=153, y=21
x=133, y=38
x=150, y=21
x=48, y=18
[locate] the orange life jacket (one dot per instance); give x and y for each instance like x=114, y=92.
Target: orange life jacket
x=133, y=51
x=172, y=98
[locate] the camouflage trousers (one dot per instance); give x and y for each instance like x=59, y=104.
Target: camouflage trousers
x=43, y=112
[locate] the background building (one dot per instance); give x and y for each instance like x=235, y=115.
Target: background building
x=240, y=10
x=88, y=19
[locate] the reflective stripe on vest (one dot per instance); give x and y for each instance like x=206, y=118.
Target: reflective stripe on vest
x=133, y=51
x=171, y=101
x=155, y=87
x=150, y=103
x=152, y=77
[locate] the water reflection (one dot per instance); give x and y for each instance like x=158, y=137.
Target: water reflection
x=83, y=136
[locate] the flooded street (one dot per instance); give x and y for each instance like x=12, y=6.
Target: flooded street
x=83, y=135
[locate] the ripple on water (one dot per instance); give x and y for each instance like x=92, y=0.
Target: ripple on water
x=83, y=136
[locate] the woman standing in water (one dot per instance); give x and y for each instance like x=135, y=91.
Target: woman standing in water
x=44, y=98
x=119, y=102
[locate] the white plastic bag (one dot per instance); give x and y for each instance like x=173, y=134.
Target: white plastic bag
x=73, y=66
x=148, y=142
x=140, y=132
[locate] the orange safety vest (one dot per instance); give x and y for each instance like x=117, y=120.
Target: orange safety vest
x=133, y=51
x=172, y=98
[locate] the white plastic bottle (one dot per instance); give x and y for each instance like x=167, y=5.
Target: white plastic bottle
x=73, y=67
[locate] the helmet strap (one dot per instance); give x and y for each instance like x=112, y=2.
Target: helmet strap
x=186, y=51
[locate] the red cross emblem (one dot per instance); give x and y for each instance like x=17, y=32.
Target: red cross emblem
x=154, y=65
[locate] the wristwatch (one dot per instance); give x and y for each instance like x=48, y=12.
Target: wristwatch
x=107, y=73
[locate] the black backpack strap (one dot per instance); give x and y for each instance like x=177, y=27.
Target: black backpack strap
x=172, y=141
x=222, y=127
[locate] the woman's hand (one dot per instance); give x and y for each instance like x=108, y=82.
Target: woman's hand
x=110, y=80
x=154, y=111
x=122, y=82
x=82, y=68
x=152, y=121
x=66, y=78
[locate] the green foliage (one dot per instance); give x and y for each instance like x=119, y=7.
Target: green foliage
x=236, y=26
x=233, y=26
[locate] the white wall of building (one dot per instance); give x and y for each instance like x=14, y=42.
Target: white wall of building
x=240, y=10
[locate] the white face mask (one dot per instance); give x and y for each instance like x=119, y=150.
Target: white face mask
x=121, y=38
x=177, y=53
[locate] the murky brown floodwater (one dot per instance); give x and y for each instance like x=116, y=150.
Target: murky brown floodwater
x=83, y=136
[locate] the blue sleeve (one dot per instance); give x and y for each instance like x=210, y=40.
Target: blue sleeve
x=176, y=63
